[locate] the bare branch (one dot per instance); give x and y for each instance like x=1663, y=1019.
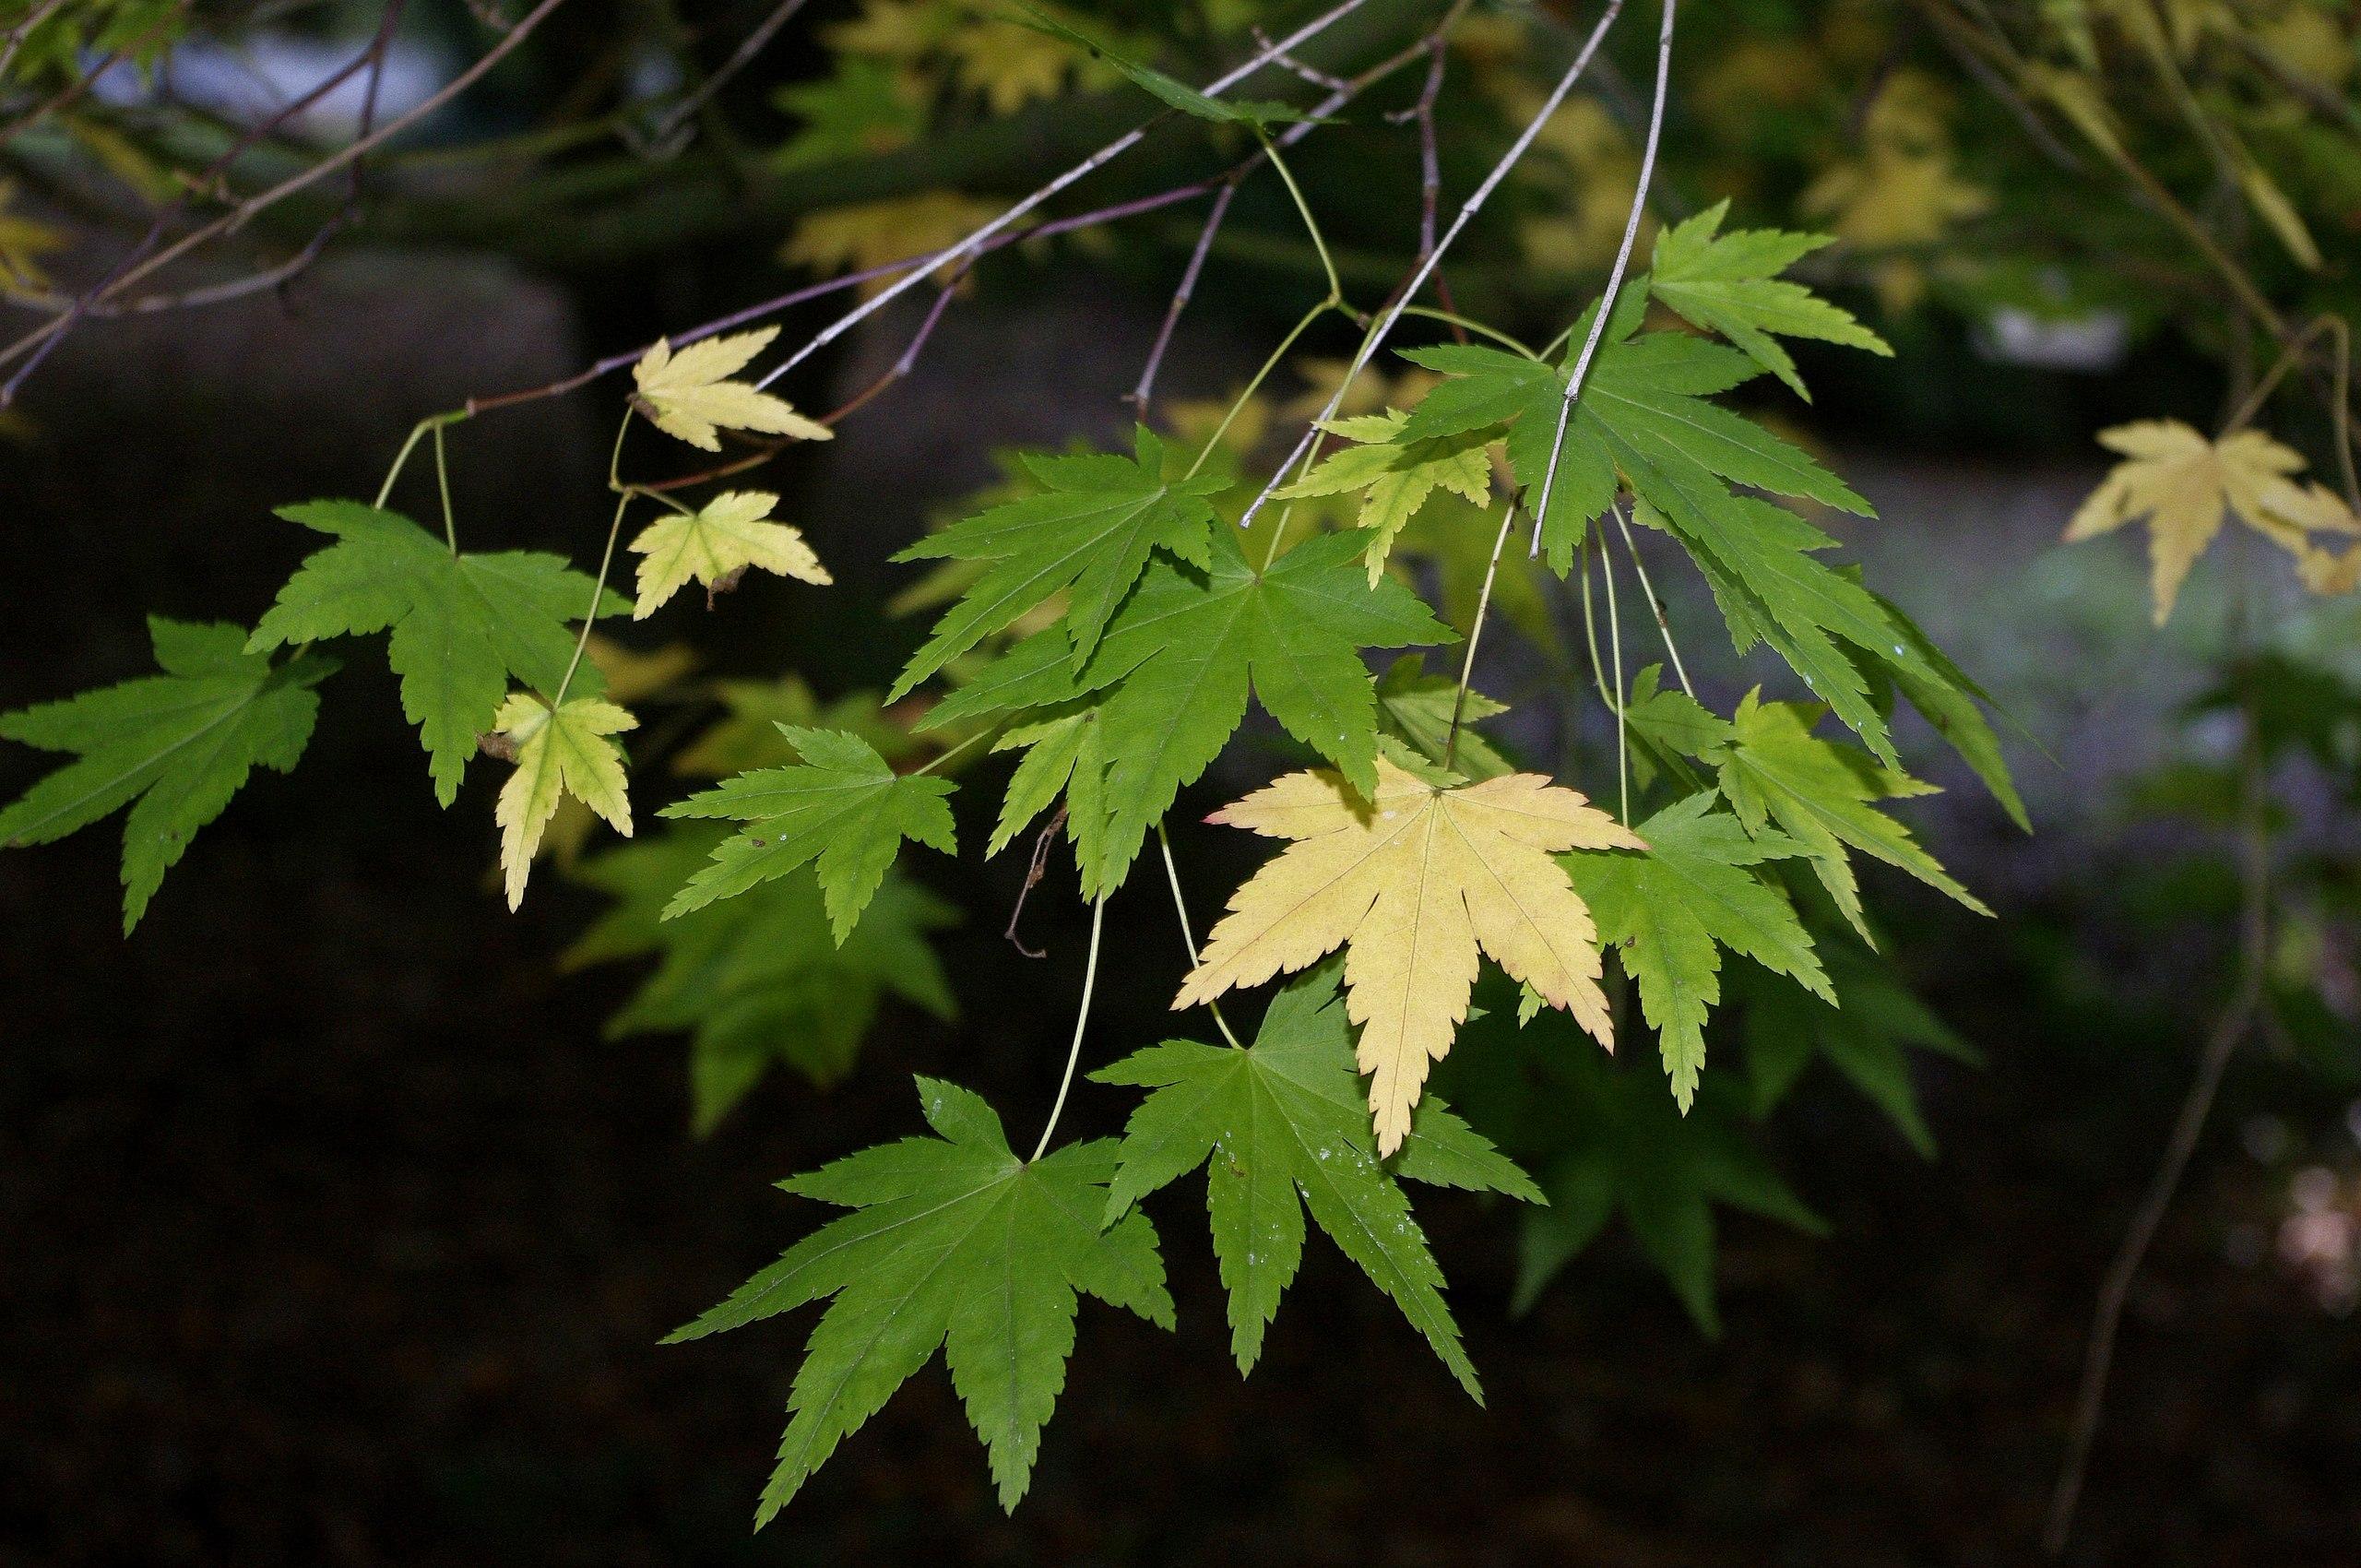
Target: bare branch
x=237, y=217
x=981, y=237
x=1376, y=335
x=1614, y=277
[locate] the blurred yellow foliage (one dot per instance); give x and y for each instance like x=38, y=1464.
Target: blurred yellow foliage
x=867, y=234
x=1901, y=191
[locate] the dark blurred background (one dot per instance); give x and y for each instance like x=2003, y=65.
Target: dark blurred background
x=332, y=1231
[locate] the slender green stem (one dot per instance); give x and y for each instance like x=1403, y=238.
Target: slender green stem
x=1286, y=508
x=949, y=751
x=410, y=443
x=1081, y=1022
x=443, y=484
x=1468, y=324
x=1622, y=729
x=1311, y=224
x=1590, y=633
x=1189, y=937
x=1656, y=606
x=2340, y=337
x=1475, y=635
x=1254, y=384
x=623, y=494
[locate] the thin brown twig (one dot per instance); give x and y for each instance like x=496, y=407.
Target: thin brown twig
x=1035, y=871
x=1138, y=396
x=371, y=60
x=237, y=217
x=1374, y=338
x=2232, y=1025
x=23, y=29
x=752, y=45
x=1430, y=173
x=89, y=79
x=980, y=237
x=1134, y=207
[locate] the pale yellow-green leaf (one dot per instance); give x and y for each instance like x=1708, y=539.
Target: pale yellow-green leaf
x=872, y=233
x=2268, y=200
x=559, y=752
x=1413, y=882
x=689, y=394
x=1396, y=477
x=724, y=536
x=2184, y=484
x=22, y=243
x=631, y=675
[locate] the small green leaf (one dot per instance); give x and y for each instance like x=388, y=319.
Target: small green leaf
x=845, y=809
x=179, y=744
x=463, y=627
x=1730, y=284
x=955, y=1244
x=1089, y=535
x=1280, y=1126
x=1819, y=793
x=1669, y=910
x=756, y=979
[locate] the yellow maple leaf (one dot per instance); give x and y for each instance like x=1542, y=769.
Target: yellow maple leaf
x=871, y=234
x=1904, y=191
x=714, y=545
x=1413, y=882
x=893, y=30
x=2317, y=508
x=631, y=675
x=558, y=753
x=2328, y=572
x=689, y=394
x=1010, y=64
x=2183, y=484
x=22, y=243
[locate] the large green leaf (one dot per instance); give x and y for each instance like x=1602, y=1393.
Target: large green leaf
x=464, y=626
x=954, y=1243
x=844, y=810
x=1282, y=1125
x=179, y=744
x=1670, y=910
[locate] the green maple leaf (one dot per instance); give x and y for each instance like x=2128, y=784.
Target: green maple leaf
x=1730, y=284
x=756, y=979
x=1864, y=1030
x=748, y=736
x=1282, y=1126
x=1674, y=723
x=1819, y=793
x=1644, y=398
x=1953, y=705
x=865, y=109
x=1394, y=477
x=463, y=625
x=954, y=1243
x=1181, y=656
x=1188, y=646
x=1417, y=707
x=1671, y=909
x=1644, y=420
x=1064, y=753
x=1604, y=1139
x=179, y=744
x=844, y=810
x=1172, y=92
x=1089, y=535
x=1637, y=1155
